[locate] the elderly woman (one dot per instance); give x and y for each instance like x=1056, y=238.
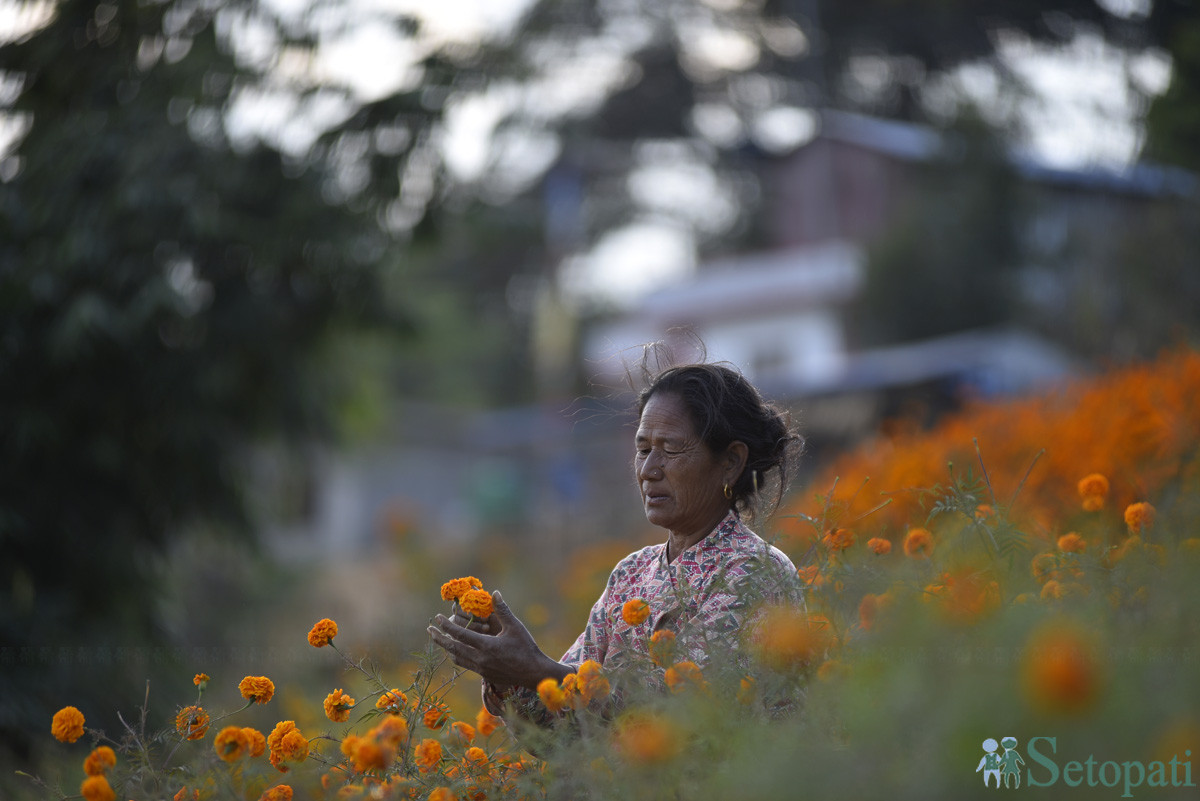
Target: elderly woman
x=706, y=446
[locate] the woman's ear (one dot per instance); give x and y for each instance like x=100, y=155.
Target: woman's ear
x=736, y=456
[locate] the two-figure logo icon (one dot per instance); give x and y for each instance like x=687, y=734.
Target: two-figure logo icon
x=1002, y=766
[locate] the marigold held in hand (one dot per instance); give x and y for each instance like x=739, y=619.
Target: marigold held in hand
x=322, y=633
x=477, y=603
x=635, y=611
x=257, y=689
x=67, y=725
x=192, y=722
x=454, y=589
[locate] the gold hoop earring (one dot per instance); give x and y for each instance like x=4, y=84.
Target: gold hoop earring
x=728, y=493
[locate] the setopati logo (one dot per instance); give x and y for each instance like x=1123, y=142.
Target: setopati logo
x=1001, y=763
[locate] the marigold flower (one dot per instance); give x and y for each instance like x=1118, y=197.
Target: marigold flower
x=635, y=611
x=99, y=761
x=182, y=795
x=393, y=730
x=464, y=733
x=592, y=681
x=662, y=647
x=880, y=546
x=486, y=722
x=552, y=694
x=453, y=589
x=477, y=603
x=256, y=741
x=918, y=543
x=280, y=792
x=984, y=511
x=442, y=794
x=966, y=597
x=67, y=725
x=435, y=716
x=231, y=743
x=1071, y=542
x=287, y=744
x=1044, y=567
x=1093, y=491
x=257, y=689
x=338, y=706
x=838, y=539
x=747, y=690
x=811, y=575
x=322, y=633
x=200, y=680
x=1139, y=517
x=1061, y=673
x=646, y=739
x=96, y=788
x=192, y=722
x=393, y=702
x=427, y=754
x=868, y=611
x=1052, y=590
x=476, y=755
x=686, y=674
x=785, y=638
x=368, y=754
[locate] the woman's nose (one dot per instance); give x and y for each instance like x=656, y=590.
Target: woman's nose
x=651, y=466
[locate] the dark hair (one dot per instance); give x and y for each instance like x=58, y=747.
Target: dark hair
x=725, y=408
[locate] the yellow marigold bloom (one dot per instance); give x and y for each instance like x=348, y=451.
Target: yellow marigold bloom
x=322, y=633
x=1060, y=671
x=338, y=706
x=200, y=680
x=486, y=722
x=67, y=725
x=453, y=589
x=393, y=701
x=477, y=603
x=192, y=722
x=646, y=739
x=838, y=539
x=686, y=674
x=427, y=754
x=662, y=647
x=287, y=744
x=880, y=546
x=464, y=733
x=592, y=681
x=96, y=788
x=280, y=792
x=99, y=761
x=635, y=611
x=256, y=741
x=918, y=543
x=258, y=689
x=785, y=638
x=435, y=716
x=442, y=794
x=1093, y=491
x=476, y=755
x=231, y=743
x=1071, y=542
x=1139, y=517
x=552, y=694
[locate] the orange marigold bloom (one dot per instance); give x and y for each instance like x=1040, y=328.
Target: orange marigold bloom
x=280, y=792
x=442, y=794
x=646, y=739
x=486, y=722
x=258, y=689
x=338, y=706
x=368, y=754
x=96, y=788
x=880, y=546
x=393, y=701
x=1139, y=517
x=868, y=608
x=256, y=741
x=984, y=511
x=192, y=722
x=786, y=638
x=200, y=680
x=231, y=743
x=1061, y=673
x=592, y=681
x=453, y=589
x=99, y=761
x=1052, y=590
x=838, y=539
x=1093, y=491
x=1044, y=567
x=662, y=647
x=322, y=633
x=435, y=716
x=427, y=754
x=67, y=725
x=686, y=674
x=811, y=575
x=392, y=730
x=182, y=795
x=464, y=733
x=918, y=543
x=477, y=603
x=635, y=611
x=1071, y=542
x=287, y=744
x=476, y=755
x=747, y=690
x=552, y=694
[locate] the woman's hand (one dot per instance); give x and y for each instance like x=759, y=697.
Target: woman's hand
x=500, y=649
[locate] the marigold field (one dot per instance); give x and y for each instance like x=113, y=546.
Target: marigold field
x=1024, y=570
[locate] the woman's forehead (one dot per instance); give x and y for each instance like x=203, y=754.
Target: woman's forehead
x=665, y=415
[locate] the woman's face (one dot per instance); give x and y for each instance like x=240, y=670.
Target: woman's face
x=681, y=481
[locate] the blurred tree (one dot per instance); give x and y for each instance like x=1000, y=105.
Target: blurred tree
x=166, y=300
